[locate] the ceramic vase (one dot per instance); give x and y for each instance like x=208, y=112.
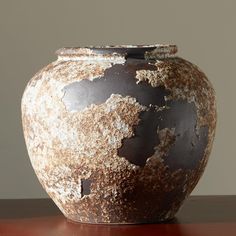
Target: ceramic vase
x=119, y=134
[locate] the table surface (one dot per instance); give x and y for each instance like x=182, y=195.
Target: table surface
x=200, y=215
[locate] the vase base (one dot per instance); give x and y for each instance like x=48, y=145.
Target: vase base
x=170, y=219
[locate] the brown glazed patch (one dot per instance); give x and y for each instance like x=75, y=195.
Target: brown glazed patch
x=116, y=138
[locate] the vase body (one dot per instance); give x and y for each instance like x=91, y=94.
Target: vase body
x=119, y=134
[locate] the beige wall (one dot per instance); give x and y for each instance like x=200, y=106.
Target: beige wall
x=30, y=32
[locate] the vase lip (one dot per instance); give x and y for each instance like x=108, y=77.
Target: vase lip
x=151, y=51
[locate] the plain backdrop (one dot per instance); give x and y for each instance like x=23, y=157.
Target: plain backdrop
x=31, y=31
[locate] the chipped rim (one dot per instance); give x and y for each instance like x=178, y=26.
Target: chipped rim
x=151, y=51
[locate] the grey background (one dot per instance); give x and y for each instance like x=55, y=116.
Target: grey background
x=30, y=32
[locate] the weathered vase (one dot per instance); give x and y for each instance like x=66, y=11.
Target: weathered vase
x=119, y=134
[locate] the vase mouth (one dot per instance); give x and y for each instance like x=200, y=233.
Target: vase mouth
x=153, y=51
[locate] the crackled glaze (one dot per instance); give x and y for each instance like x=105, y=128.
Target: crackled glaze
x=119, y=134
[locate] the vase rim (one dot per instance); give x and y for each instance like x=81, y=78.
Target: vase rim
x=150, y=51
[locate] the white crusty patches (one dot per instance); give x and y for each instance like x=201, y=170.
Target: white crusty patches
x=58, y=140
x=184, y=81
x=154, y=77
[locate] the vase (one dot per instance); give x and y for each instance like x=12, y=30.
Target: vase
x=119, y=134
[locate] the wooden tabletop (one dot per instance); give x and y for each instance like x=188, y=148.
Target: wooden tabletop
x=200, y=216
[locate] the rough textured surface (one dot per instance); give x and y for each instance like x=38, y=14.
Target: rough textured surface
x=116, y=138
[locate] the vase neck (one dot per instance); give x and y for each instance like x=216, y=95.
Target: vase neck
x=157, y=51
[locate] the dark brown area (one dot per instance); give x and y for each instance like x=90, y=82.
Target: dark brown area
x=206, y=215
x=141, y=146
x=85, y=186
x=189, y=146
x=181, y=115
x=119, y=79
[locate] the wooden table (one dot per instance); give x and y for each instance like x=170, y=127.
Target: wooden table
x=200, y=216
